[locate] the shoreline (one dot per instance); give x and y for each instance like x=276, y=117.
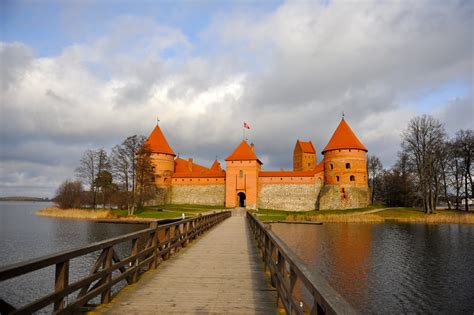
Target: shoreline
x=104, y=216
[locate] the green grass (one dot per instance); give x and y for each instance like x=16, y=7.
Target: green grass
x=169, y=211
x=281, y=215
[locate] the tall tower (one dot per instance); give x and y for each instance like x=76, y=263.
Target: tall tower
x=304, y=156
x=242, y=169
x=162, y=157
x=345, y=171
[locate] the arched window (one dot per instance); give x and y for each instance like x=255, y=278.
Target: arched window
x=332, y=166
x=352, y=178
x=337, y=178
x=343, y=190
x=348, y=165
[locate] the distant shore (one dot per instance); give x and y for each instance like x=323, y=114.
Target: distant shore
x=24, y=198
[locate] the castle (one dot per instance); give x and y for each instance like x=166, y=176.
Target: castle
x=338, y=181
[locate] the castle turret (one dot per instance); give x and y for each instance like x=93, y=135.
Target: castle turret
x=304, y=156
x=242, y=169
x=345, y=171
x=162, y=157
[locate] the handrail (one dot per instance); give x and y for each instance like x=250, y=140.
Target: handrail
x=287, y=269
x=158, y=242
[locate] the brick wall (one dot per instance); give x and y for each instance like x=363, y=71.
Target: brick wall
x=343, y=197
x=290, y=197
x=198, y=194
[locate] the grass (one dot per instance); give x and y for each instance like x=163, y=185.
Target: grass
x=148, y=212
x=358, y=215
x=76, y=213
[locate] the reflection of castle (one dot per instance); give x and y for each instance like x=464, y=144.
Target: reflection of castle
x=339, y=181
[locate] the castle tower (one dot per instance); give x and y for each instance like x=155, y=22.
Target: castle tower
x=242, y=169
x=162, y=157
x=345, y=171
x=304, y=156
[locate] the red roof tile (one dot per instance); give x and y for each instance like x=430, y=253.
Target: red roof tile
x=344, y=138
x=243, y=153
x=157, y=142
x=216, y=166
x=183, y=170
x=307, y=147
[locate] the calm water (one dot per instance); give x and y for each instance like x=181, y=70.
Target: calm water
x=391, y=268
x=23, y=235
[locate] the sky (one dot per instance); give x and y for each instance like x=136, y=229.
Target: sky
x=78, y=75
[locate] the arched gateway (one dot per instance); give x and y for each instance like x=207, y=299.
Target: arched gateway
x=241, y=196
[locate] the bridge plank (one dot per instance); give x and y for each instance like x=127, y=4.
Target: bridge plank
x=221, y=273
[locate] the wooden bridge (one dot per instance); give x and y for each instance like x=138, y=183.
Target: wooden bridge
x=223, y=272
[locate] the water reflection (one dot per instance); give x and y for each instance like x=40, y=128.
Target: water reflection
x=391, y=268
x=23, y=235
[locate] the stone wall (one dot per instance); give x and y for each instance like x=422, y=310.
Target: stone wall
x=198, y=194
x=332, y=197
x=290, y=197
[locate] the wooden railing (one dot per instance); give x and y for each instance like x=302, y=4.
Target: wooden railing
x=157, y=243
x=300, y=291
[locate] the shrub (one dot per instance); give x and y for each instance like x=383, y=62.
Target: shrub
x=69, y=195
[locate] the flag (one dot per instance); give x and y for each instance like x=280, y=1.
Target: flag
x=246, y=126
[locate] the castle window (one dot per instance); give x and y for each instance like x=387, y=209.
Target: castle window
x=241, y=173
x=349, y=150
x=281, y=178
x=309, y=164
x=208, y=179
x=182, y=180
x=343, y=190
x=337, y=178
x=191, y=180
x=352, y=178
x=216, y=179
x=153, y=168
x=332, y=166
x=348, y=165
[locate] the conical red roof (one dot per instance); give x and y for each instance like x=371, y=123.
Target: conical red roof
x=216, y=166
x=344, y=138
x=157, y=142
x=243, y=152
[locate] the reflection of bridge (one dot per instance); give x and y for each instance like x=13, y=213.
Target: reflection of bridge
x=222, y=273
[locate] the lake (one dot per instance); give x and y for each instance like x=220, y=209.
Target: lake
x=23, y=235
x=391, y=268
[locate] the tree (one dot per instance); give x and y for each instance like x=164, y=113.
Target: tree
x=463, y=147
x=124, y=168
x=374, y=170
x=104, y=184
x=69, y=195
x=421, y=142
x=144, y=177
x=92, y=163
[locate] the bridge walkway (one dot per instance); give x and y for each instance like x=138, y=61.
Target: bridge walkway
x=221, y=273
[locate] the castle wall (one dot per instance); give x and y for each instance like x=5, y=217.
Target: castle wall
x=194, y=194
x=334, y=197
x=289, y=196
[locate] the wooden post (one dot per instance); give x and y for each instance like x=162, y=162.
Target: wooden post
x=106, y=295
x=61, y=281
x=135, y=260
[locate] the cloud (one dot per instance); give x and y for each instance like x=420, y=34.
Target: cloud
x=289, y=72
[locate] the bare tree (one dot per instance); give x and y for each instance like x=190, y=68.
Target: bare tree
x=463, y=147
x=421, y=142
x=91, y=164
x=69, y=195
x=144, y=177
x=124, y=168
x=374, y=170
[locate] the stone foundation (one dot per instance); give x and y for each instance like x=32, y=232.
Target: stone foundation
x=198, y=194
x=332, y=197
x=290, y=197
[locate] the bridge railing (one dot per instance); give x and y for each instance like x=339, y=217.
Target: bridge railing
x=148, y=248
x=291, y=277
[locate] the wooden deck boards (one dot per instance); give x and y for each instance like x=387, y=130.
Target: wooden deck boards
x=220, y=273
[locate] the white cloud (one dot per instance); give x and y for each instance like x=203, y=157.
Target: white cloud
x=289, y=73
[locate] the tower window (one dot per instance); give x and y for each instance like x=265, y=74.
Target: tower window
x=352, y=178
x=309, y=164
x=153, y=168
x=241, y=173
x=332, y=166
x=348, y=165
x=343, y=190
x=337, y=178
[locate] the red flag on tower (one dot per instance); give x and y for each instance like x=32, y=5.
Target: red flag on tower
x=246, y=125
